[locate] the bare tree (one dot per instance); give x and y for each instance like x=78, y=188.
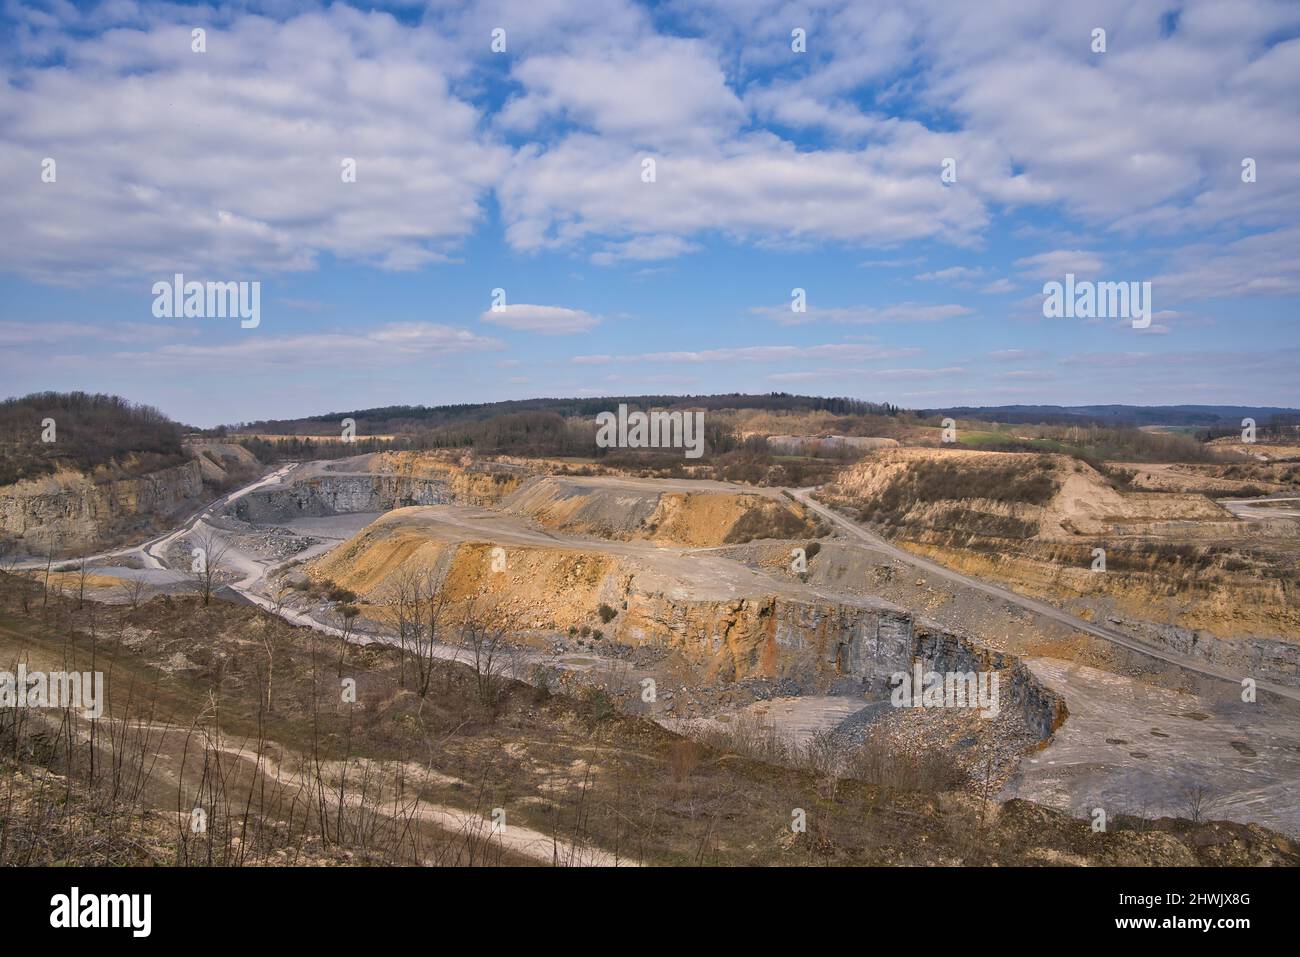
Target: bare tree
x=398, y=601
x=212, y=548
x=347, y=615
x=1199, y=802
x=487, y=643
x=132, y=591
x=8, y=565
x=280, y=596
x=420, y=609
x=45, y=588
x=81, y=583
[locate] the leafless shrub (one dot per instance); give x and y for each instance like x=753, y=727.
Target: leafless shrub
x=1199, y=801
x=486, y=642
x=132, y=591
x=879, y=761
x=204, y=571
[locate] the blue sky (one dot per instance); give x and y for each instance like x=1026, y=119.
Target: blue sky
x=774, y=170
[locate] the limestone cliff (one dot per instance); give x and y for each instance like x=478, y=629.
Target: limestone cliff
x=70, y=513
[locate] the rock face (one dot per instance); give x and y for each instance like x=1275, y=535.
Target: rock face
x=69, y=513
x=798, y=444
x=380, y=483
x=815, y=643
x=340, y=494
x=219, y=459
x=471, y=483
x=1278, y=660
x=942, y=651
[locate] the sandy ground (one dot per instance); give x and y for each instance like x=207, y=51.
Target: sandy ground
x=1130, y=748
x=1262, y=510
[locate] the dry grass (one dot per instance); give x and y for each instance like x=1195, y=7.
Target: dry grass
x=396, y=778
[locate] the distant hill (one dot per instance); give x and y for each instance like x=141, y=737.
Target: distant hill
x=413, y=418
x=1201, y=416
x=420, y=418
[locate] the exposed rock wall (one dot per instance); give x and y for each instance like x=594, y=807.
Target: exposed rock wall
x=471, y=483
x=340, y=494
x=381, y=490
x=815, y=643
x=943, y=651
x=1250, y=657
x=70, y=513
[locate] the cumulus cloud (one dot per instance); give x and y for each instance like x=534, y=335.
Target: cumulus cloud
x=228, y=162
x=232, y=160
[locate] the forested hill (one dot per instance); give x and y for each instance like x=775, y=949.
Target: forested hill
x=87, y=432
x=415, y=418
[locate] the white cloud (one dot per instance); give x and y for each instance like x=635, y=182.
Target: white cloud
x=903, y=312
x=892, y=374
x=953, y=274
x=661, y=90
x=643, y=249
x=391, y=343
x=1267, y=264
x=1015, y=355
x=548, y=320
x=1055, y=263
x=229, y=162
x=753, y=187
x=19, y=333
x=756, y=354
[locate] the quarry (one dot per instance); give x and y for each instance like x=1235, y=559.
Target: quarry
x=834, y=617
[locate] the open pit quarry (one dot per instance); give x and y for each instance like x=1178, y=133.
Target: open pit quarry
x=608, y=582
